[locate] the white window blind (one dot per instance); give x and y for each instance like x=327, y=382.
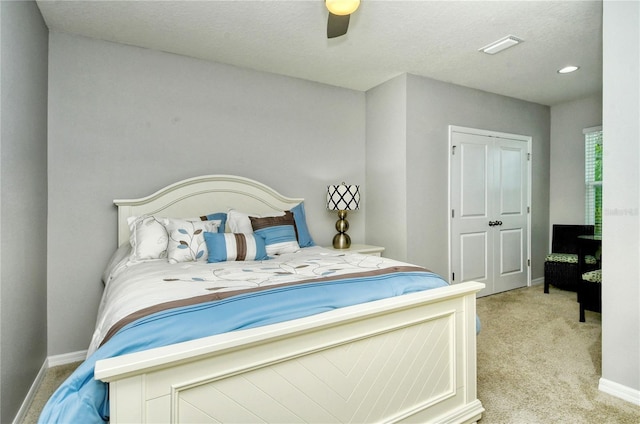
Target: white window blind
x=593, y=177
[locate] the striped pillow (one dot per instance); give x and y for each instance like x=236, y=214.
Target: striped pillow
x=234, y=247
x=278, y=232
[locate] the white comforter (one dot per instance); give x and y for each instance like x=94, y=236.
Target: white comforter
x=132, y=287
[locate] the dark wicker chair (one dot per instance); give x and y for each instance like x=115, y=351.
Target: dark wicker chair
x=561, y=265
x=590, y=292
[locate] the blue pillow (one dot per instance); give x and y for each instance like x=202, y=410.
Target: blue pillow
x=304, y=237
x=234, y=247
x=218, y=216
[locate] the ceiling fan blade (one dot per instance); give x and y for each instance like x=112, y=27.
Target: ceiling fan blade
x=337, y=25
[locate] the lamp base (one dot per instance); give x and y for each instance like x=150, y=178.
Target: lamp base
x=341, y=241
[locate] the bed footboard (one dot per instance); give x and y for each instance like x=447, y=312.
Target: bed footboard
x=411, y=358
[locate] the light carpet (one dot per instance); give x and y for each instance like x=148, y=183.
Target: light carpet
x=536, y=363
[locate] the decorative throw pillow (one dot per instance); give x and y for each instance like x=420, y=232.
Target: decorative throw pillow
x=148, y=238
x=234, y=247
x=219, y=217
x=239, y=222
x=186, y=239
x=278, y=232
x=304, y=237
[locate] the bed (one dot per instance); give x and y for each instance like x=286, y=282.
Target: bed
x=299, y=334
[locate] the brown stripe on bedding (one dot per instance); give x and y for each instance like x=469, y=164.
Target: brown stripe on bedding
x=224, y=295
x=241, y=247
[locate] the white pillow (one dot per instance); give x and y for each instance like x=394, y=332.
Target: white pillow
x=186, y=239
x=148, y=238
x=240, y=223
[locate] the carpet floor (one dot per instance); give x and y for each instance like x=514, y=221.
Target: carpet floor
x=536, y=363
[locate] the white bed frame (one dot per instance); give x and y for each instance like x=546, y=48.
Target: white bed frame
x=410, y=358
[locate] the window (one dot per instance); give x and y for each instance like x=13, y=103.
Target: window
x=593, y=177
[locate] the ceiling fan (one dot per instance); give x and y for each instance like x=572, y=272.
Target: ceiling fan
x=339, y=13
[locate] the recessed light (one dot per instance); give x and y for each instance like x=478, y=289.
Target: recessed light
x=568, y=69
x=501, y=44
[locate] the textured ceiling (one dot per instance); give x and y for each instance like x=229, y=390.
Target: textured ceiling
x=436, y=39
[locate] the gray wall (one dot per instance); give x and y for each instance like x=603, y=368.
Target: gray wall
x=621, y=200
x=126, y=121
x=567, y=189
x=386, y=166
x=23, y=194
x=431, y=106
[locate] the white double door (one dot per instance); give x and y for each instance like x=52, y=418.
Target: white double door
x=489, y=198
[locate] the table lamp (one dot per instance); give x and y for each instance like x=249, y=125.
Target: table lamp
x=342, y=198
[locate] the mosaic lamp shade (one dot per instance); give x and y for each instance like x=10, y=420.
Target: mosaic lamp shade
x=342, y=198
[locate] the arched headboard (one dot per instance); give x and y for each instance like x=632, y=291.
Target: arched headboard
x=203, y=195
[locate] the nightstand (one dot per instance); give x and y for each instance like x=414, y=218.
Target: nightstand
x=364, y=249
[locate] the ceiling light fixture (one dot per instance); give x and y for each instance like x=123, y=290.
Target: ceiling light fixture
x=342, y=7
x=501, y=44
x=568, y=69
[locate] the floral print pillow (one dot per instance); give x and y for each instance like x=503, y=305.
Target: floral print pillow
x=186, y=240
x=148, y=238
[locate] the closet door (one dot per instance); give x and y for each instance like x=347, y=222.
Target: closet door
x=489, y=242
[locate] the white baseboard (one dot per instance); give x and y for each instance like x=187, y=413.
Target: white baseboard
x=51, y=361
x=537, y=281
x=22, y=412
x=619, y=391
x=66, y=358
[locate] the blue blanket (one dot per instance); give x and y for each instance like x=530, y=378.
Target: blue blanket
x=82, y=399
